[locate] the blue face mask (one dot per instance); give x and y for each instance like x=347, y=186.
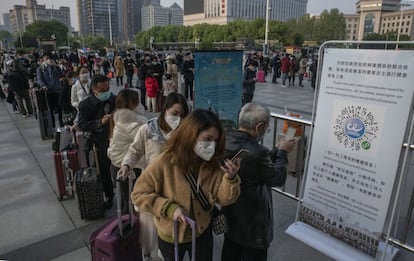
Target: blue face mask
x=103, y=96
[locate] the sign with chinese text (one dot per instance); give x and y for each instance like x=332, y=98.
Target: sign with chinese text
x=218, y=84
x=363, y=107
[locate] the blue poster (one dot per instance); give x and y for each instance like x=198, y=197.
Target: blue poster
x=218, y=84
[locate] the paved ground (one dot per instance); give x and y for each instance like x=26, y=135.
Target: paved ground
x=34, y=225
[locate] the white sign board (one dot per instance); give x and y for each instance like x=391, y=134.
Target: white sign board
x=363, y=107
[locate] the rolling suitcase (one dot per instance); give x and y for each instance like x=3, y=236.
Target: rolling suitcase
x=89, y=190
x=44, y=116
x=66, y=164
x=260, y=76
x=192, y=224
x=118, y=239
x=80, y=141
x=45, y=124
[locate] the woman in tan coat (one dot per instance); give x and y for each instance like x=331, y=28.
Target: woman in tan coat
x=194, y=151
x=119, y=70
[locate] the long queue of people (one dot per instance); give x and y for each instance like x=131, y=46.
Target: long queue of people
x=183, y=160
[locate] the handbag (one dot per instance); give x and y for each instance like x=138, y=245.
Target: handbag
x=218, y=220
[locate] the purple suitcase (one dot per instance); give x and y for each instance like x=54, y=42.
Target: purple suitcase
x=118, y=239
x=192, y=224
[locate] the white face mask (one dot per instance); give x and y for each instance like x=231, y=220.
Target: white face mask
x=84, y=77
x=173, y=121
x=205, y=149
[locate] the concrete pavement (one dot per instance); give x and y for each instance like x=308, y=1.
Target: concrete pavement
x=34, y=225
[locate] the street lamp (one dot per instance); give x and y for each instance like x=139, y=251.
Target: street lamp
x=110, y=23
x=197, y=43
x=265, y=46
x=402, y=5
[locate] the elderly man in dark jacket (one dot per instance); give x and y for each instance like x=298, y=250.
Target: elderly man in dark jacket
x=95, y=113
x=250, y=218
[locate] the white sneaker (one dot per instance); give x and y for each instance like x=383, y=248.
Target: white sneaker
x=283, y=86
x=147, y=258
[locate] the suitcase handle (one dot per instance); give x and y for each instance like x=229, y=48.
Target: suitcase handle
x=131, y=177
x=192, y=224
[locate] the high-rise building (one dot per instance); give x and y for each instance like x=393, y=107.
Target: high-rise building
x=99, y=18
x=23, y=15
x=156, y=15
x=226, y=11
x=6, y=26
x=130, y=18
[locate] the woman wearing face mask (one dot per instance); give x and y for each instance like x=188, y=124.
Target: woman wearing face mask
x=148, y=143
x=81, y=88
x=193, y=152
x=127, y=118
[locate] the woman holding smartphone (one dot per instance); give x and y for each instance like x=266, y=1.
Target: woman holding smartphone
x=190, y=165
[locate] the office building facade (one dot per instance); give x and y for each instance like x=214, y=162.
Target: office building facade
x=99, y=18
x=23, y=15
x=381, y=17
x=226, y=11
x=157, y=15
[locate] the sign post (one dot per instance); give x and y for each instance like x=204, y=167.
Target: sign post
x=363, y=109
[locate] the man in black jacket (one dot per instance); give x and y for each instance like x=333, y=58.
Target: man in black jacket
x=250, y=218
x=19, y=84
x=94, y=115
x=249, y=82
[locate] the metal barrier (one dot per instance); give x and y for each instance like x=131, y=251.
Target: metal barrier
x=308, y=124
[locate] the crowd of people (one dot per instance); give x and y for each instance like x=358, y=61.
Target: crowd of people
x=182, y=160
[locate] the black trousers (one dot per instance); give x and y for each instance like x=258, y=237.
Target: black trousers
x=53, y=101
x=234, y=252
x=104, y=165
x=246, y=98
x=189, y=84
x=204, y=248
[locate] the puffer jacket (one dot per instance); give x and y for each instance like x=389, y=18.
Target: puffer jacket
x=162, y=187
x=126, y=125
x=250, y=218
x=148, y=143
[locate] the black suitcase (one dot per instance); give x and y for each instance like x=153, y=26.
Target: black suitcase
x=44, y=116
x=45, y=124
x=89, y=191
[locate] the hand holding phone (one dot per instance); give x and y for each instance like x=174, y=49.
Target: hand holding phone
x=290, y=133
x=240, y=154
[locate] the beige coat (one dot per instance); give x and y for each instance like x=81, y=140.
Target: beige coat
x=162, y=187
x=119, y=67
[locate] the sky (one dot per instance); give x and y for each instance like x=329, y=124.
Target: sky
x=314, y=6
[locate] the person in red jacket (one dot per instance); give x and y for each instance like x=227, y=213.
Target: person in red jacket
x=151, y=86
x=284, y=69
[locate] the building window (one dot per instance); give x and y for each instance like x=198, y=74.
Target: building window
x=369, y=24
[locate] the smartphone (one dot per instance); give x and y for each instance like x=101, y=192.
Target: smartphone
x=290, y=133
x=240, y=154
